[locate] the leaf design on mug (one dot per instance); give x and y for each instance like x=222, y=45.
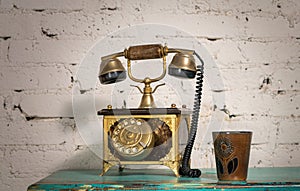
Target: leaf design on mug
x=219, y=165
x=232, y=165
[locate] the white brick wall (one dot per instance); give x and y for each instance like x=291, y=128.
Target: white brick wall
x=255, y=44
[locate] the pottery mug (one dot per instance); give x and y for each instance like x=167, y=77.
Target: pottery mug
x=232, y=150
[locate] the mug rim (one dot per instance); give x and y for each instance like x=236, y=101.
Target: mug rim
x=232, y=132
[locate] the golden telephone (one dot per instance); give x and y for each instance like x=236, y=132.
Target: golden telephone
x=147, y=134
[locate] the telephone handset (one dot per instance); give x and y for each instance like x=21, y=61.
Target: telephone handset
x=147, y=134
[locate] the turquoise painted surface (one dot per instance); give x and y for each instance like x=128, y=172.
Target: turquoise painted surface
x=258, y=179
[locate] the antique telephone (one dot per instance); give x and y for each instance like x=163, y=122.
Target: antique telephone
x=147, y=134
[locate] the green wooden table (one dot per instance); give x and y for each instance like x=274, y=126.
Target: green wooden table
x=161, y=179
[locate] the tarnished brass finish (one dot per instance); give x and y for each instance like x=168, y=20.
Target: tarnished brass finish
x=163, y=149
x=232, y=150
x=184, y=61
x=132, y=138
x=147, y=100
x=115, y=55
x=111, y=65
x=149, y=135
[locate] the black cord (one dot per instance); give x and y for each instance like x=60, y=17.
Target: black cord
x=185, y=169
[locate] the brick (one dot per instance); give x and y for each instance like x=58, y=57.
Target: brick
x=269, y=27
x=260, y=103
x=20, y=26
x=106, y=6
x=286, y=78
x=251, y=77
x=84, y=158
x=246, y=7
x=35, y=77
x=6, y=182
x=260, y=155
x=24, y=161
x=155, y=6
x=47, y=105
x=222, y=27
x=203, y=157
x=288, y=131
x=290, y=11
x=263, y=128
x=83, y=26
x=286, y=155
x=226, y=52
x=76, y=25
x=30, y=164
x=4, y=46
x=38, y=132
x=2, y=105
x=272, y=52
x=68, y=51
x=10, y=102
x=228, y=26
x=43, y=4
x=193, y=7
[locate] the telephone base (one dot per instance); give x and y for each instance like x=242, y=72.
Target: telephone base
x=142, y=137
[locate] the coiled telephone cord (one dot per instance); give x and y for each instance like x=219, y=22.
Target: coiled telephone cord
x=185, y=169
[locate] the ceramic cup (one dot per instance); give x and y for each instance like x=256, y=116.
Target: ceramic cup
x=232, y=150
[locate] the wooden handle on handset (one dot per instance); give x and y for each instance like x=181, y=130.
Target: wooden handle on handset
x=141, y=52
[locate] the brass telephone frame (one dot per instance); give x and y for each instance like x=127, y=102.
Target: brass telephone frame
x=112, y=71
x=171, y=160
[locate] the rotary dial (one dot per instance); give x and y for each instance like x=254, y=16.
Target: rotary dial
x=132, y=138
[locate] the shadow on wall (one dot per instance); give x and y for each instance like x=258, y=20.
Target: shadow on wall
x=83, y=158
